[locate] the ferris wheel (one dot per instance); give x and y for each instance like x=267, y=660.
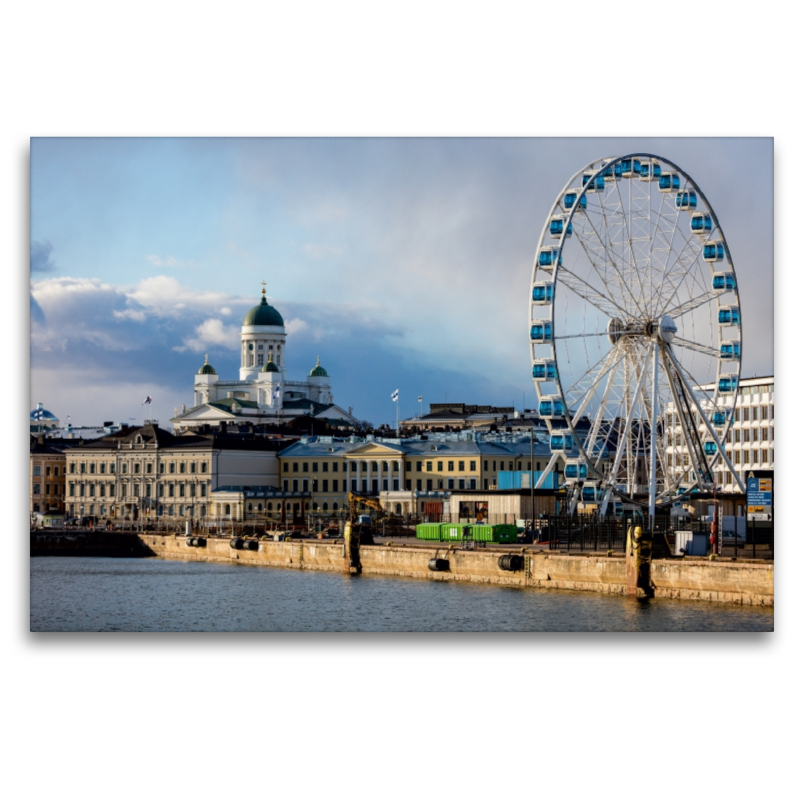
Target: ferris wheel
x=635, y=332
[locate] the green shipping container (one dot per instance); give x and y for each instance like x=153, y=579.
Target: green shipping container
x=482, y=533
x=429, y=531
x=453, y=531
x=505, y=534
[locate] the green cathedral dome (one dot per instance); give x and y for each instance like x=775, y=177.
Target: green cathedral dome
x=318, y=371
x=263, y=314
x=270, y=366
x=206, y=369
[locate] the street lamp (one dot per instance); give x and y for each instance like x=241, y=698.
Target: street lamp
x=313, y=486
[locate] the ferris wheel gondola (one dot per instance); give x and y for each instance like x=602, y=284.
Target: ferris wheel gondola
x=635, y=332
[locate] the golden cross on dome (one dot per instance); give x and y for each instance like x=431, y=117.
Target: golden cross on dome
x=263, y=287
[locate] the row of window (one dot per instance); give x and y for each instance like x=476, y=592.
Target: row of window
x=49, y=488
x=37, y=471
x=165, y=510
x=100, y=489
x=755, y=456
x=737, y=435
x=374, y=485
x=172, y=467
x=421, y=466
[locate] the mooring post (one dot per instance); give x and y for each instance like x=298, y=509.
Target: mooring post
x=638, y=557
x=352, y=556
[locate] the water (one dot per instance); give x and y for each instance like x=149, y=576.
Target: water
x=116, y=594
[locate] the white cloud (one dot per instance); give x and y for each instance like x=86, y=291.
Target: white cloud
x=212, y=332
x=296, y=326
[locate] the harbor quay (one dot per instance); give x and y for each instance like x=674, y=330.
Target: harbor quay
x=740, y=581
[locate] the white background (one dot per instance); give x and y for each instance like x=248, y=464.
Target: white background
x=392, y=716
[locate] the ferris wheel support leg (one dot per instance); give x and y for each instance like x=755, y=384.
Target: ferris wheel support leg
x=612, y=477
x=604, y=504
x=709, y=426
x=653, y=437
x=550, y=464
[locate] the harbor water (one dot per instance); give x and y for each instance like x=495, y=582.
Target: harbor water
x=121, y=594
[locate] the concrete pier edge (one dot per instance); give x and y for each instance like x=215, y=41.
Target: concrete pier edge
x=737, y=582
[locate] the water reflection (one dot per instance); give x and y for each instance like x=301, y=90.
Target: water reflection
x=96, y=594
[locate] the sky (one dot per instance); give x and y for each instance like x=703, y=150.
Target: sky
x=403, y=263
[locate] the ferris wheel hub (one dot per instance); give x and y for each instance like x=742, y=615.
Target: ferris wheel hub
x=666, y=329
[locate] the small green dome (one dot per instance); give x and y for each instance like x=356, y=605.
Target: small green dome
x=318, y=371
x=206, y=369
x=263, y=314
x=270, y=366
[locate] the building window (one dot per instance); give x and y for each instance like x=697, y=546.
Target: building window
x=440, y=466
x=91, y=468
x=429, y=465
x=203, y=466
x=451, y=484
x=314, y=466
x=460, y=483
x=419, y=485
x=450, y=466
x=429, y=485
x=183, y=467
x=36, y=488
x=286, y=485
x=171, y=467
x=460, y=466
x=324, y=466
x=335, y=466
x=336, y=486
x=419, y=466
x=324, y=486
x=135, y=469
x=72, y=468
x=314, y=486
x=102, y=468
x=37, y=472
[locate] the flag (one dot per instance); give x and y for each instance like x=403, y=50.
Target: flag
x=147, y=401
x=277, y=393
x=419, y=399
x=395, y=395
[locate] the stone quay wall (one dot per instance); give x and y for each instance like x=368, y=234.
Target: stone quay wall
x=743, y=582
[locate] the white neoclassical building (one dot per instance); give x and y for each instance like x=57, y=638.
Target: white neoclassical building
x=262, y=393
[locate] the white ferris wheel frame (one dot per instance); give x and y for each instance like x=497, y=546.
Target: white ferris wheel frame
x=605, y=301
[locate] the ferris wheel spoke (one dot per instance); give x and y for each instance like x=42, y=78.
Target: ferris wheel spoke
x=691, y=305
x=696, y=346
x=588, y=292
x=687, y=262
x=603, y=258
x=576, y=388
x=578, y=336
x=680, y=260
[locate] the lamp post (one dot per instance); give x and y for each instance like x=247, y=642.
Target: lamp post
x=311, y=514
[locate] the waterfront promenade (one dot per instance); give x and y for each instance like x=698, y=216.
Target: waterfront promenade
x=743, y=581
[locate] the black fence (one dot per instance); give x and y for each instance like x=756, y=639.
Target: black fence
x=754, y=539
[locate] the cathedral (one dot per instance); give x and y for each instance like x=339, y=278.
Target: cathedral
x=262, y=394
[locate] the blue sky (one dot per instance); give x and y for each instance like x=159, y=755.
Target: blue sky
x=401, y=262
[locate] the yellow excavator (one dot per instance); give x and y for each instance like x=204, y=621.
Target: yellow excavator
x=361, y=523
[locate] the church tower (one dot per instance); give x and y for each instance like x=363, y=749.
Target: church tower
x=263, y=335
